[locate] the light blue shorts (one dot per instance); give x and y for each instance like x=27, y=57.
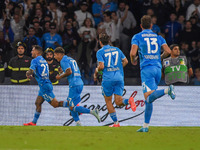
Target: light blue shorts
x=46, y=91
x=112, y=87
x=75, y=94
x=150, y=76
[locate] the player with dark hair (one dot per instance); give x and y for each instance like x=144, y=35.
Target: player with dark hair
x=40, y=68
x=72, y=72
x=53, y=65
x=148, y=44
x=111, y=61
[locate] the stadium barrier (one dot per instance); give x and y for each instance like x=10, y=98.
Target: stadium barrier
x=17, y=107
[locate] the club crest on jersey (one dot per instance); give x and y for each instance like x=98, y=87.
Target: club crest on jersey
x=182, y=62
x=166, y=63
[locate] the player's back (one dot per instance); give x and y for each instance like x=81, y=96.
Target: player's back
x=74, y=78
x=149, y=44
x=112, y=58
x=41, y=70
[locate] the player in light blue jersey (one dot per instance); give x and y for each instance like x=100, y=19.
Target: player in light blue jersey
x=72, y=72
x=40, y=68
x=148, y=44
x=111, y=61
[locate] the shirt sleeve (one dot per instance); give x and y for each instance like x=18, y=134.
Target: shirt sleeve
x=122, y=55
x=60, y=40
x=99, y=57
x=134, y=41
x=33, y=65
x=162, y=40
x=65, y=65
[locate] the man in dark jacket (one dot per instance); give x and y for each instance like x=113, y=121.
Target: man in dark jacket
x=18, y=66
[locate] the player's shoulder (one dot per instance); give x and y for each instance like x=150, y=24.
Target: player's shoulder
x=65, y=59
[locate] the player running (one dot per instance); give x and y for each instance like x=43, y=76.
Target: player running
x=149, y=44
x=40, y=68
x=72, y=72
x=111, y=61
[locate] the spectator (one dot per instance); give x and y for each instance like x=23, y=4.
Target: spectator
x=8, y=32
x=5, y=49
x=126, y=28
x=51, y=39
x=188, y=34
x=56, y=13
x=31, y=40
x=172, y=29
x=38, y=29
x=97, y=12
x=181, y=20
x=69, y=38
x=178, y=8
x=177, y=69
x=160, y=11
x=46, y=27
x=17, y=24
x=82, y=14
x=109, y=27
x=193, y=9
x=84, y=55
x=196, y=79
x=155, y=27
x=184, y=49
x=110, y=6
x=53, y=65
x=18, y=66
x=194, y=54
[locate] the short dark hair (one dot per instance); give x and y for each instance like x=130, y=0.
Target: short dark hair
x=146, y=21
x=59, y=50
x=104, y=38
x=38, y=48
x=173, y=45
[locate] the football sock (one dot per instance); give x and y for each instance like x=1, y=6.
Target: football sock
x=74, y=115
x=65, y=104
x=145, y=125
x=113, y=116
x=148, y=111
x=156, y=94
x=166, y=91
x=81, y=109
x=36, y=116
x=125, y=101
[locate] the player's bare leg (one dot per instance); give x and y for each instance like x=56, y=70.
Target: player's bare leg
x=111, y=111
x=119, y=101
x=38, y=104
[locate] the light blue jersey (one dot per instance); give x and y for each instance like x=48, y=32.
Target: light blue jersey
x=113, y=74
x=41, y=71
x=112, y=58
x=149, y=44
x=75, y=78
x=49, y=41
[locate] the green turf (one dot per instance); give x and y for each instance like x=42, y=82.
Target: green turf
x=98, y=138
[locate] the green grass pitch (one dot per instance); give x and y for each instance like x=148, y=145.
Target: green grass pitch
x=98, y=138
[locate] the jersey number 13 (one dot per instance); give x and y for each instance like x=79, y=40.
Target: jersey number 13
x=151, y=42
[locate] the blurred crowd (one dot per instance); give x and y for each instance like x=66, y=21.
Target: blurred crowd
x=75, y=25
